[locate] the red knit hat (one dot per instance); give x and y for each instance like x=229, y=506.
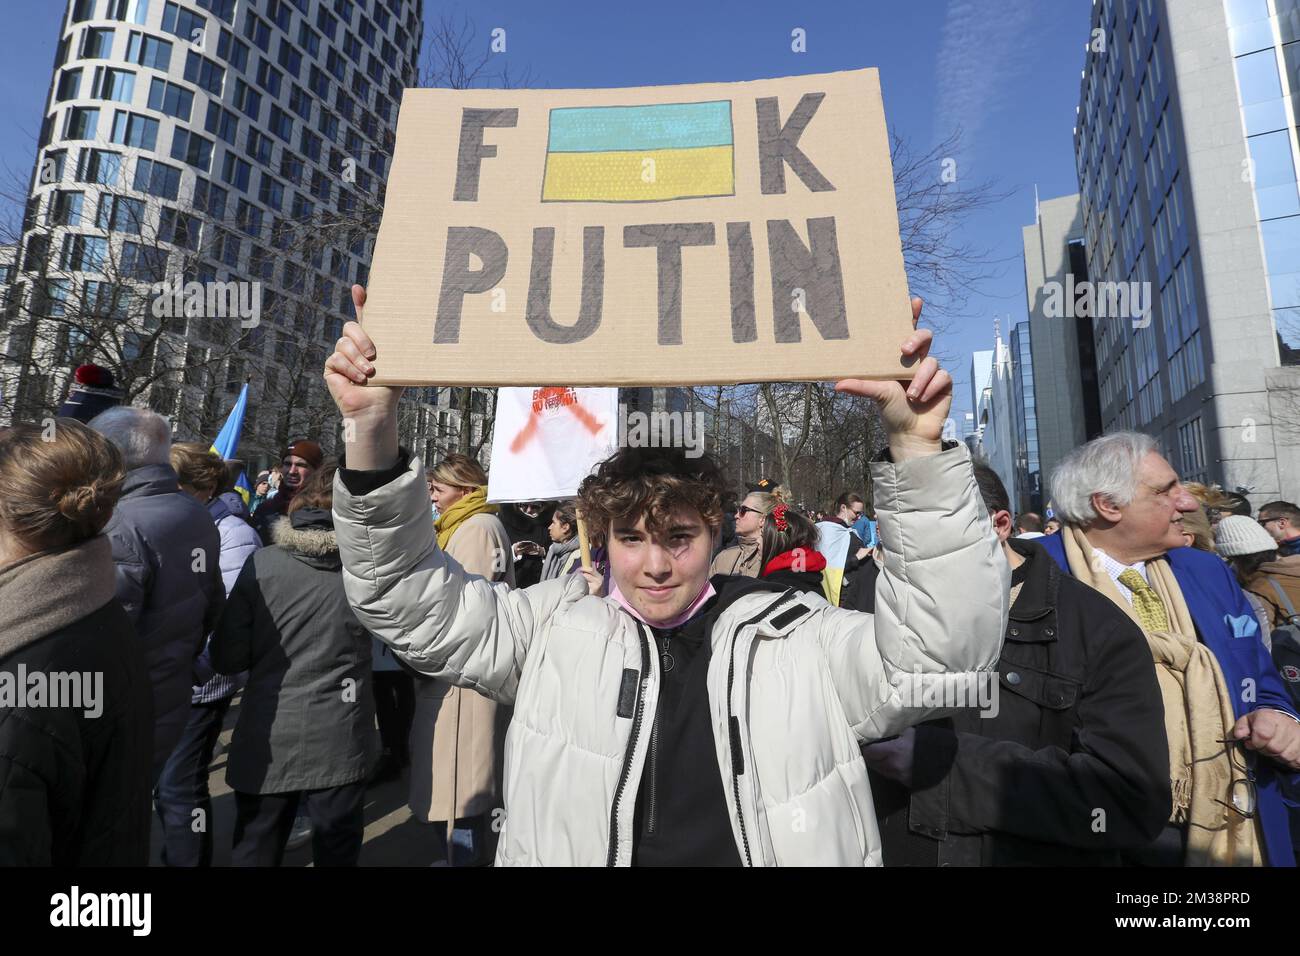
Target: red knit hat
x=307, y=450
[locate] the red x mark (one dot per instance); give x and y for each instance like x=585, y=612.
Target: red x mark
x=540, y=396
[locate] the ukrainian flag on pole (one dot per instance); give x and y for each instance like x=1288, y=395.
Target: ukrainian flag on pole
x=639, y=153
x=228, y=440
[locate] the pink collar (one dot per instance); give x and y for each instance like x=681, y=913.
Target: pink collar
x=680, y=619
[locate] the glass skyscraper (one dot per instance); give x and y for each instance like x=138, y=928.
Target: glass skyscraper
x=1186, y=152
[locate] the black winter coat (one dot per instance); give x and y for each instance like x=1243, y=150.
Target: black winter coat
x=74, y=779
x=520, y=527
x=1073, y=768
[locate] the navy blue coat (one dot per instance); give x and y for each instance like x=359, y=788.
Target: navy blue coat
x=1226, y=625
x=167, y=556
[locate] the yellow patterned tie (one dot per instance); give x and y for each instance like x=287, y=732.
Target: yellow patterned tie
x=1146, y=602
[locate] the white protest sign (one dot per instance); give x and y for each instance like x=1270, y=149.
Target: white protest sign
x=547, y=440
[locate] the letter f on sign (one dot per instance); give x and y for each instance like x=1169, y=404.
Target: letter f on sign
x=473, y=151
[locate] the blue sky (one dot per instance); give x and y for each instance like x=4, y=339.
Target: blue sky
x=1007, y=71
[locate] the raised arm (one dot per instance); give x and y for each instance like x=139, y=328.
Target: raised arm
x=404, y=589
x=943, y=592
x=941, y=598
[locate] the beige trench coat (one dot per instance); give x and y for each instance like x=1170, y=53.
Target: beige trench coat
x=457, y=735
x=740, y=558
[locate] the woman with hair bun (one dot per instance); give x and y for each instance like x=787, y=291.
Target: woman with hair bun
x=76, y=706
x=788, y=545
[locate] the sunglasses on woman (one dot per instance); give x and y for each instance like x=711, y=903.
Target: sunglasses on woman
x=745, y=509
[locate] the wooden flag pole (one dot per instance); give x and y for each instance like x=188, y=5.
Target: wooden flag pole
x=583, y=544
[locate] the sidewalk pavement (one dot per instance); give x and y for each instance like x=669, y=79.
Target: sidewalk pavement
x=392, y=837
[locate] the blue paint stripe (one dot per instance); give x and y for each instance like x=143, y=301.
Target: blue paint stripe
x=585, y=129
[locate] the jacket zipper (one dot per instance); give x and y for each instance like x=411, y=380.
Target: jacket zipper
x=652, y=811
x=652, y=772
x=733, y=723
x=631, y=748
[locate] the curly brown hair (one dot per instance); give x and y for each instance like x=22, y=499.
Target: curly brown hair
x=652, y=482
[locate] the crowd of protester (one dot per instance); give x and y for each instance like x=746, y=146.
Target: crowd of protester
x=688, y=697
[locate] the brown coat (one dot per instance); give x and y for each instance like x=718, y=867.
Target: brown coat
x=1286, y=572
x=458, y=736
x=740, y=558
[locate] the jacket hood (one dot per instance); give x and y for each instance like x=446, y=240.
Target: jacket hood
x=732, y=588
x=150, y=480
x=809, y=582
x=230, y=503
x=309, y=542
x=48, y=591
x=222, y=507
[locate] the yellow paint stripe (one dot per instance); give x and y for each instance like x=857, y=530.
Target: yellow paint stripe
x=639, y=175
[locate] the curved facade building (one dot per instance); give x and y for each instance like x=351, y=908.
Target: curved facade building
x=199, y=141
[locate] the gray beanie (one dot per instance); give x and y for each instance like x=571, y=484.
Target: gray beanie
x=1237, y=535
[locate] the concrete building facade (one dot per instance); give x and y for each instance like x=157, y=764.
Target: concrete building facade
x=1186, y=148
x=1067, y=407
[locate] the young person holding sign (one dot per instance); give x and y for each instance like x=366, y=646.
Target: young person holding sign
x=681, y=720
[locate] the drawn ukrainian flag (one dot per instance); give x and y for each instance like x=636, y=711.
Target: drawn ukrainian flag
x=640, y=153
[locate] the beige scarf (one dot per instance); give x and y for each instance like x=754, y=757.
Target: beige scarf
x=45, y=592
x=1204, y=772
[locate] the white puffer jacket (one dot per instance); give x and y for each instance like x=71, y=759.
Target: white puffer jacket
x=794, y=684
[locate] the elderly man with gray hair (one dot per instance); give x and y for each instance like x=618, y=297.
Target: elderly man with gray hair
x=1234, y=737
x=166, y=551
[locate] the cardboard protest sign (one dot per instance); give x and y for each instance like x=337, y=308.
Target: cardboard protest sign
x=546, y=440
x=710, y=233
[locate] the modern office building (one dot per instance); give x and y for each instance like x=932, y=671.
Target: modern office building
x=968, y=433
x=1004, y=427
x=997, y=418
x=1027, y=491
x=981, y=374
x=1186, y=148
x=1067, y=406
x=207, y=141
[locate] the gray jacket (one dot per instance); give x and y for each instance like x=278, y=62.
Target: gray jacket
x=795, y=686
x=167, y=554
x=560, y=558
x=306, y=720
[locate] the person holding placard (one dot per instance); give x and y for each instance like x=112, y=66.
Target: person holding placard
x=639, y=718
